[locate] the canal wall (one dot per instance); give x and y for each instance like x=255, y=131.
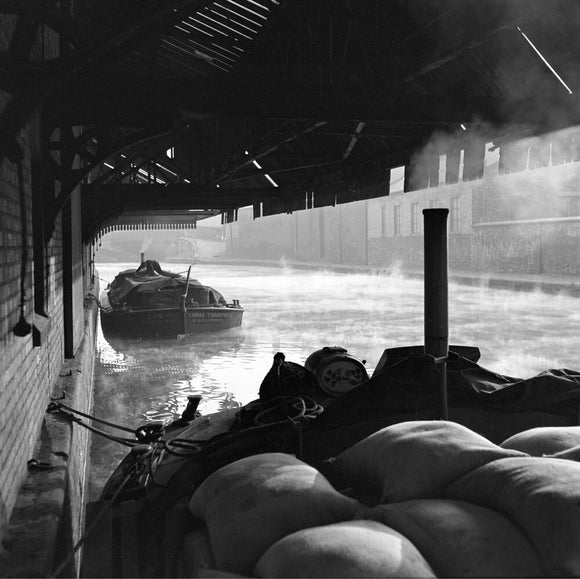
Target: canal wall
x=526, y=223
x=540, y=246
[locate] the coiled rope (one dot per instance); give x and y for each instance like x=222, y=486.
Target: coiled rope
x=304, y=408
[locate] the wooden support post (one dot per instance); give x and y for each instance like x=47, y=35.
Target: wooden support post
x=67, y=281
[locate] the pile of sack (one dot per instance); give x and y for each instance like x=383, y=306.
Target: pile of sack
x=439, y=501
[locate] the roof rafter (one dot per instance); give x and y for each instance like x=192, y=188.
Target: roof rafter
x=262, y=152
x=353, y=140
x=47, y=11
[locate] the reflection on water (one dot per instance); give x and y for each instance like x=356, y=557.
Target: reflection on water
x=300, y=311
x=160, y=374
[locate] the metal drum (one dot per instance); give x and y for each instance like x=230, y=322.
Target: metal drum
x=335, y=370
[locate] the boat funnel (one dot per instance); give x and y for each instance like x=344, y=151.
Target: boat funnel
x=436, y=290
x=436, y=297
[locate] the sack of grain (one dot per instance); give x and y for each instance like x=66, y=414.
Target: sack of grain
x=416, y=459
x=250, y=504
x=570, y=454
x=460, y=539
x=178, y=522
x=350, y=549
x=541, y=496
x=218, y=573
x=196, y=555
x=544, y=440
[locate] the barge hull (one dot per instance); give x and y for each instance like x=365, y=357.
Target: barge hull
x=170, y=321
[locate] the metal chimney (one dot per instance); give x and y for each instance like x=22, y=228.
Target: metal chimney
x=436, y=293
x=436, y=297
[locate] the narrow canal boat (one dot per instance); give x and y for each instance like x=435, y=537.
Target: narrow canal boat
x=151, y=302
x=433, y=466
x=356, y=476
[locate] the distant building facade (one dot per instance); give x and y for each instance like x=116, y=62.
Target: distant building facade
x=525, y=221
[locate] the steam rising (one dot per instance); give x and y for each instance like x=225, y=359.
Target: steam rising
x=300, y=311
x=519, y=179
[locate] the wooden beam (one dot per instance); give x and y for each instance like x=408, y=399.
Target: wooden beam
x=456, y=54
x=138, y=31
x=95, y=97
x=126, y=142
x=179, y=189
x=46, y=11
x=248, y=173
x=353, y=140
x=83, y=62
x=266, y=150
x=178, y=196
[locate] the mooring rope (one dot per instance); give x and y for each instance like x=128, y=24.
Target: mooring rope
x=140, y=433
x=55, y=406
x=66, y=411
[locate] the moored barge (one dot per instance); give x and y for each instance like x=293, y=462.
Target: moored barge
x=151, y=302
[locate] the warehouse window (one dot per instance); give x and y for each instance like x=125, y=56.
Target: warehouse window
x=384, y=220
x=454, y=215
x=397, y=219
x=570, y=206
x=414, y=218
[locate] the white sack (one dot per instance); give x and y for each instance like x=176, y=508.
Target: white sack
x=251, y=503
x=540, y=495
x=544, y=440
x=417, y=459
x=353, y=549
x=460, y=539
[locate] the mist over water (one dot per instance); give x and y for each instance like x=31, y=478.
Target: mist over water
x=300, y=311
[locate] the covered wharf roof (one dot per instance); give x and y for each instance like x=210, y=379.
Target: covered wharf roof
x=161, y=105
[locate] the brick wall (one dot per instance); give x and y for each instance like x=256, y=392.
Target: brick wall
x=77, y=270
x=28, y=373
x=542, y=246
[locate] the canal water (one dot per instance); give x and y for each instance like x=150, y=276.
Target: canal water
x=299, y=311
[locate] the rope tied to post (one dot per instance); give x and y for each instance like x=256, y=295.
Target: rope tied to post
x=142, y=434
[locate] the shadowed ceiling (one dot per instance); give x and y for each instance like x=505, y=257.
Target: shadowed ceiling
x=280, y=104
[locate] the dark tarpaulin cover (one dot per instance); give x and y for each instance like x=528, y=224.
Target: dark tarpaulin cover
x=146, y=279
x=412, y=383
